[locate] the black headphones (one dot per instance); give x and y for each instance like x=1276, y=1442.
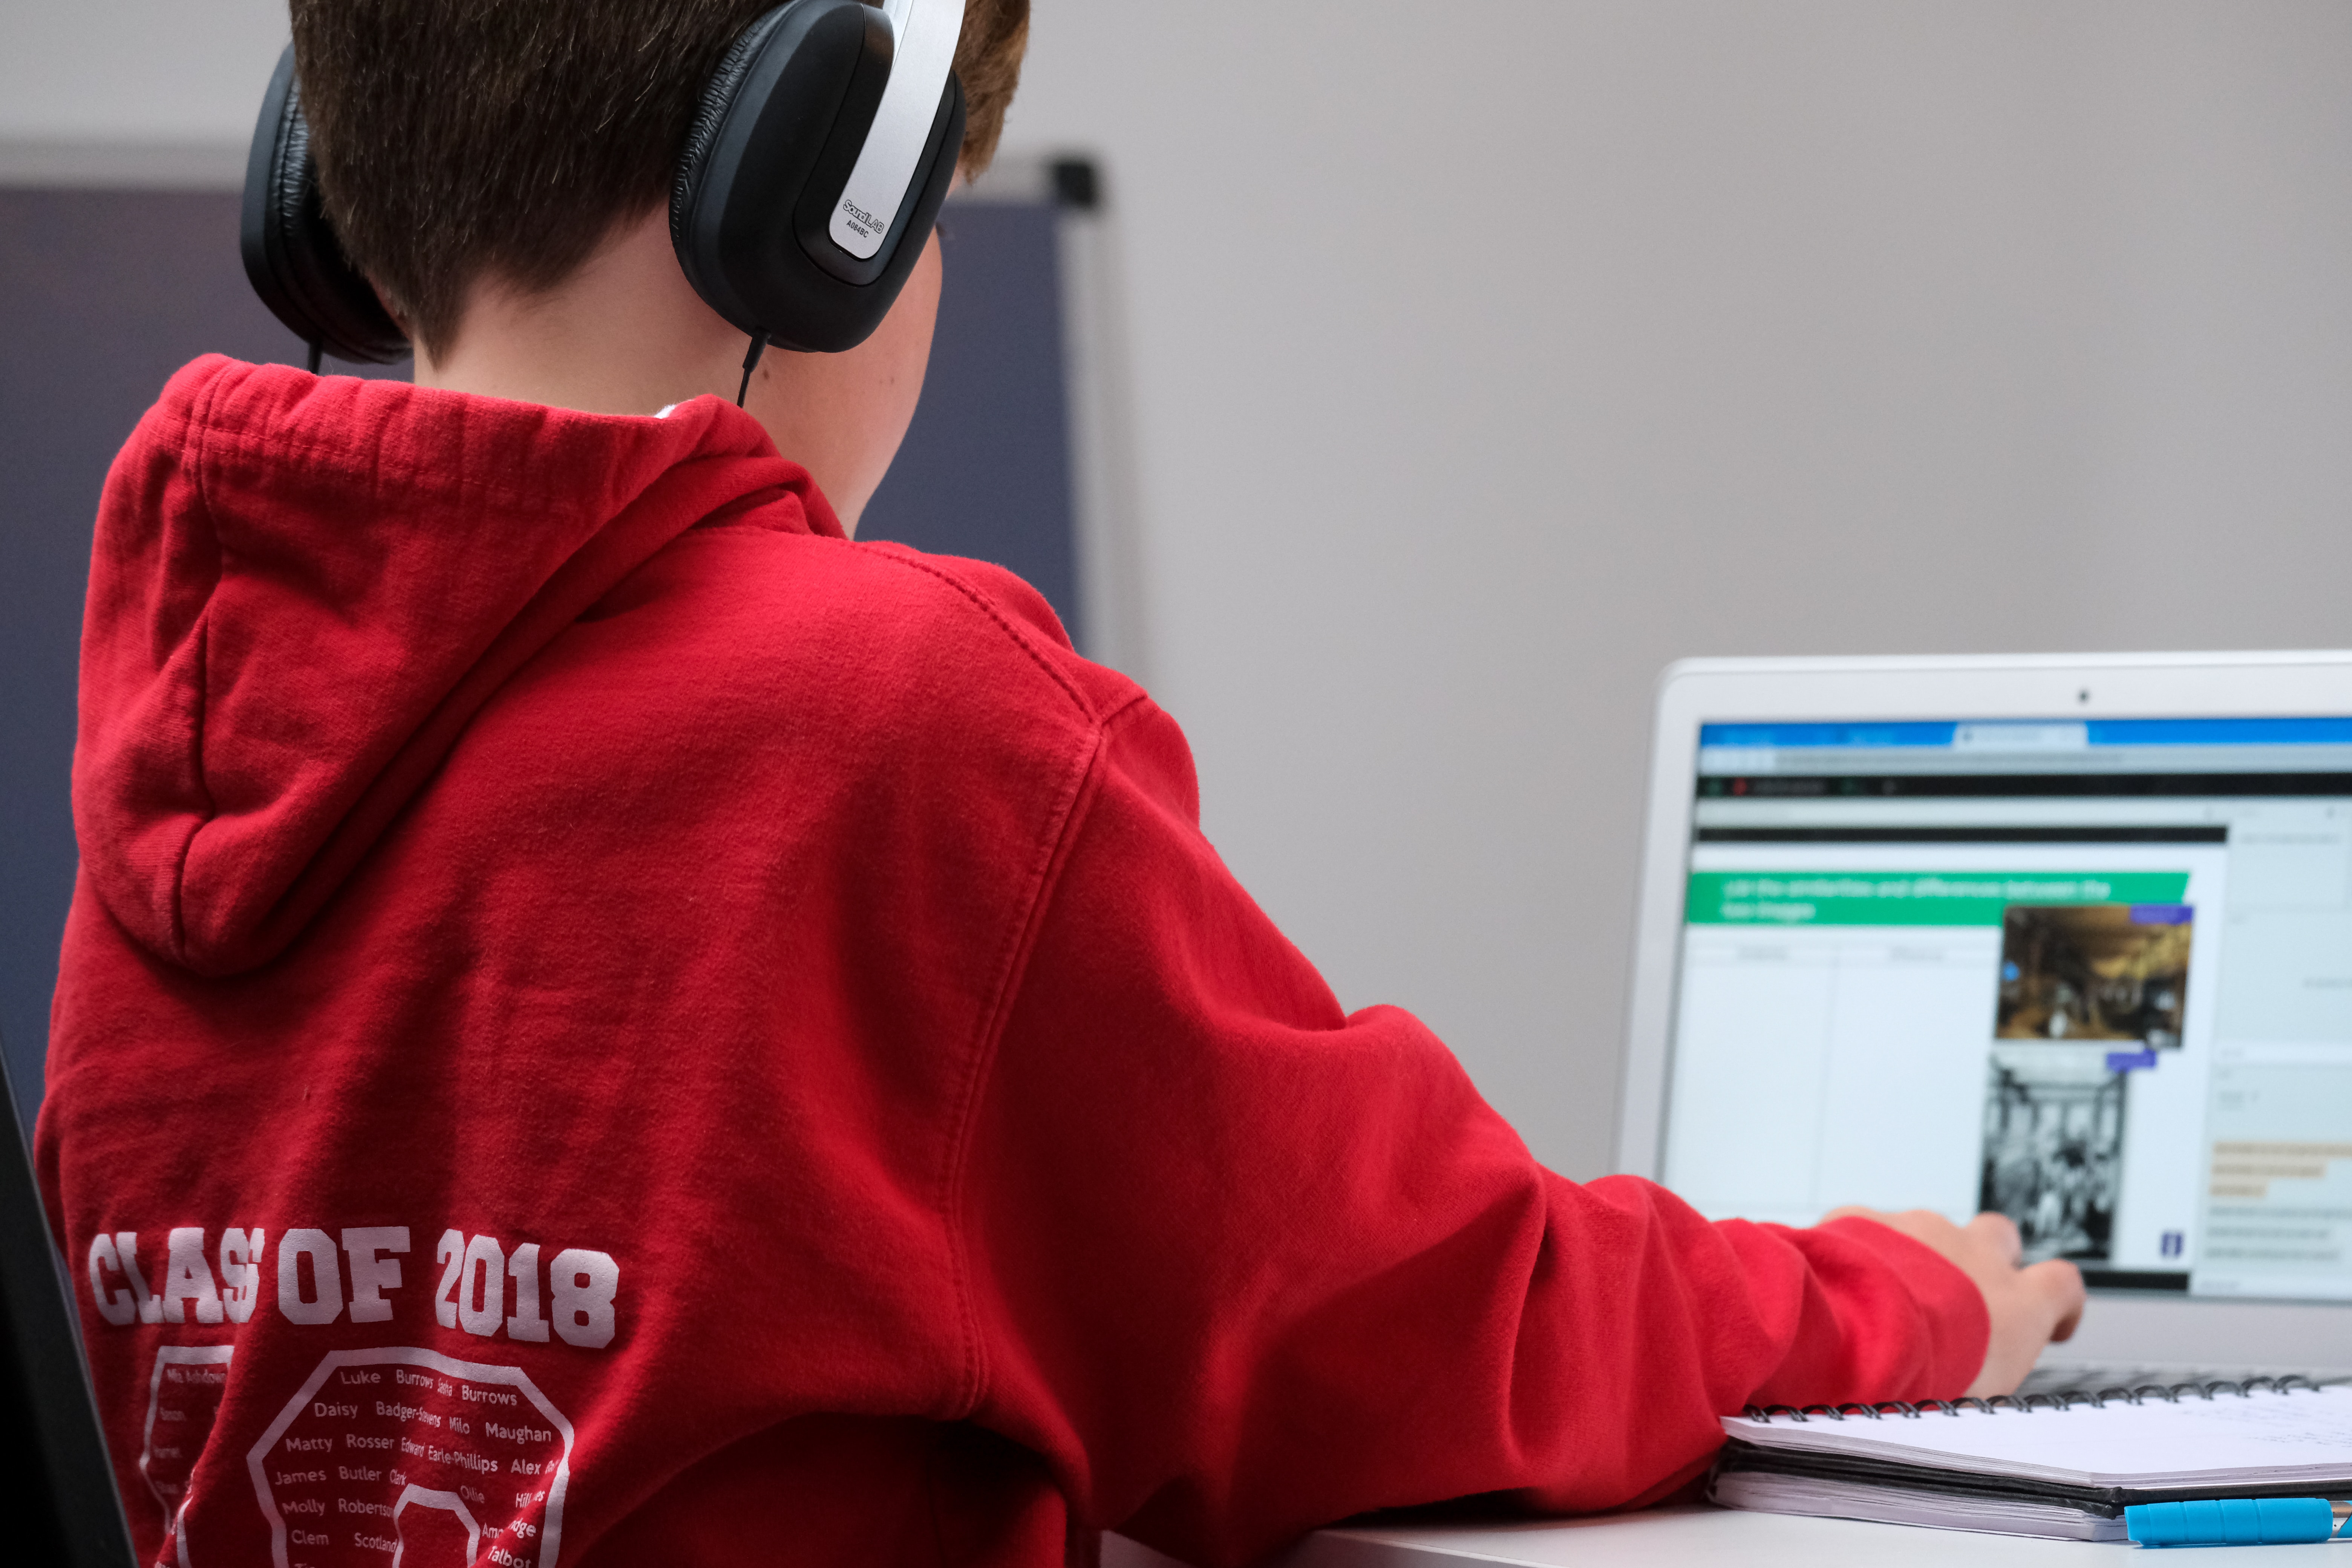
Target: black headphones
x=805, y=192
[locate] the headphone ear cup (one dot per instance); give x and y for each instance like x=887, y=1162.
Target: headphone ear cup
x=781, y=126
x=292, y=257
x=718, y=100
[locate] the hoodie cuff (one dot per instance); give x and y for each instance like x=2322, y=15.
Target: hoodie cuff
x=1884, y=1317
x=1958, y=1328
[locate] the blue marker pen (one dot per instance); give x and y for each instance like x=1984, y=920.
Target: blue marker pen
x=2230, y=1521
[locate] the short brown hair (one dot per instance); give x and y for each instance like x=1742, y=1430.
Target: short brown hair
x=460, y=139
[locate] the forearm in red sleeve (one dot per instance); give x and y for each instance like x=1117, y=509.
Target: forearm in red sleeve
x=1244, y=1265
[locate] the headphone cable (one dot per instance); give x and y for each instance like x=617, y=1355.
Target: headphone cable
x=750, y=363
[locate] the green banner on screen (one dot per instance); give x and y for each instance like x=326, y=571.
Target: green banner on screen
x=1911, y=898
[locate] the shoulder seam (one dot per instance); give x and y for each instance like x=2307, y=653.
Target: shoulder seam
x=1135, y=702
x=1021, y=639
x=1056, y=845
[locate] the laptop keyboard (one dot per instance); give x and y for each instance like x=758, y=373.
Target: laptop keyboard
x=2060, y=1377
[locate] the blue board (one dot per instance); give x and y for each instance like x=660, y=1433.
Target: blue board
x=986, y=468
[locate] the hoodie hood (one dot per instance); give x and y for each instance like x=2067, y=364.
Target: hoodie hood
x=301, y=590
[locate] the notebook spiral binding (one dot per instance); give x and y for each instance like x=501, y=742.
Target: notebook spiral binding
x=1904, y=1408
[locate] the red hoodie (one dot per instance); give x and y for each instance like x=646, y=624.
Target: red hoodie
x=605, y=1023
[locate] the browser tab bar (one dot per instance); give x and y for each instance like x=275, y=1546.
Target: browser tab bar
x=2062, y=737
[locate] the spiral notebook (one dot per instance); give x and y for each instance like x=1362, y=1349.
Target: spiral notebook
x=2056, y=1464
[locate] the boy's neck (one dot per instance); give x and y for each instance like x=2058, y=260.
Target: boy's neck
x=628, y=334
x=622, y=336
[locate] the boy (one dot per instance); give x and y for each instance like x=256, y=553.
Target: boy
x=604, y=1022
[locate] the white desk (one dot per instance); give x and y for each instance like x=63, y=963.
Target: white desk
x=1677, y=1537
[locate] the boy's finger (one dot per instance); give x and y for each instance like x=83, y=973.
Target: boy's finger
x=2000, y=1232
x=2058, y=1283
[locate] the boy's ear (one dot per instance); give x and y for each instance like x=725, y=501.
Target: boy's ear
x=292, y=255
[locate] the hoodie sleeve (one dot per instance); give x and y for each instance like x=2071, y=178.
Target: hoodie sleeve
x=1242, y=1264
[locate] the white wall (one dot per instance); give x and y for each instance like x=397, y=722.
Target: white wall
x=136, y=70
x=1487, y=357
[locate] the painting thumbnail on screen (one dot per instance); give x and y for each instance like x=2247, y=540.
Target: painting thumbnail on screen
x=2094, y=972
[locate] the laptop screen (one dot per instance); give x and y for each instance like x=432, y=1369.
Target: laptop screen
x=2096, y=976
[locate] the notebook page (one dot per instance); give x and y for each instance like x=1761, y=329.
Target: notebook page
x=2305, y=1434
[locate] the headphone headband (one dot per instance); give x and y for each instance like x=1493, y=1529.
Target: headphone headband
x=924, y=35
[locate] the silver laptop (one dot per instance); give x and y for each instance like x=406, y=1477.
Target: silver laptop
x=2069, y=938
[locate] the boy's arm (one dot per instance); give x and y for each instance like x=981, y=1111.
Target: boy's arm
x=1244, y=1265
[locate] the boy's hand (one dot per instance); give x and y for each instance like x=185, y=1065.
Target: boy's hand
x=2028, y=1307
